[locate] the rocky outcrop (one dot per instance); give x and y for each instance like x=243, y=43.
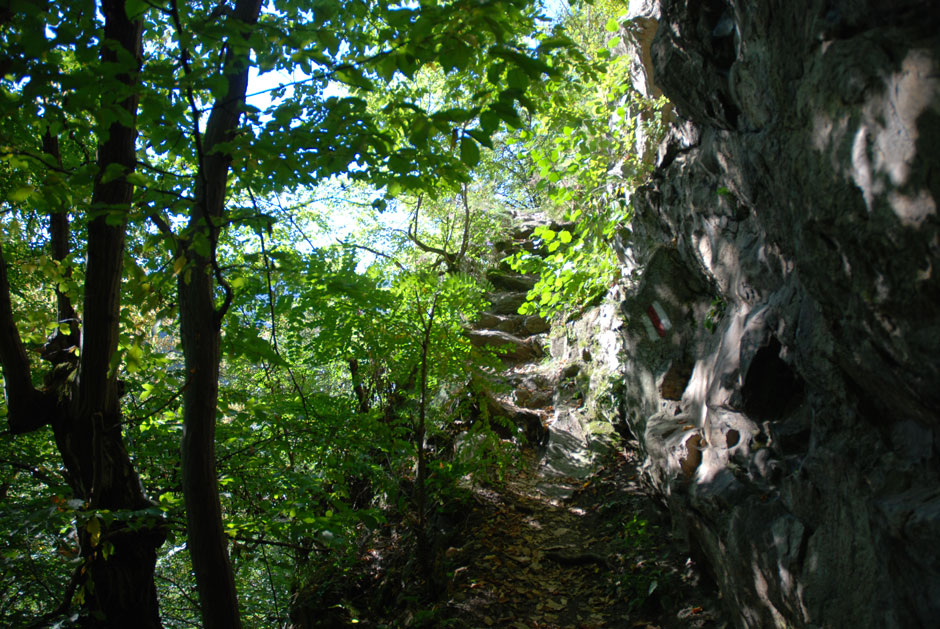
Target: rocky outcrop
x=783, y=343
x=557, y=389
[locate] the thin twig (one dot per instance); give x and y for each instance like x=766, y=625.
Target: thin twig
x=63, y=607
x=267, y=566
x=182, y=590
x=372, y=251
x=34, y=471
x=274, y=344
x=164, y=405
x=267, y=542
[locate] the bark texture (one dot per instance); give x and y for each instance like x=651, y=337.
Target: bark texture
x=200, y=321
x=84, y=411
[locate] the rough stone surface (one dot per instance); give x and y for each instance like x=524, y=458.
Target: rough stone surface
x=506, y=302
x=508, y=346
x=509, y=280
x=789, y=413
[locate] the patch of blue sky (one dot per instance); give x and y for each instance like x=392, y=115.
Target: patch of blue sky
x=341, y=219
x=341, y=215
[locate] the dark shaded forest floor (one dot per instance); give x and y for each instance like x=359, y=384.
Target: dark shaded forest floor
x=514, y=557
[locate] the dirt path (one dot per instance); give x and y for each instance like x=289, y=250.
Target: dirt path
x=570, y=539
x=601, y=558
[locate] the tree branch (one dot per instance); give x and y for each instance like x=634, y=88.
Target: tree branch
x=190, y=96
x=161, y=225
x=374, y=252
x=358, y=389
x=465, y=243
x=27, y=408
x=63, y=608
x=56, y=350
x=35, y=472
x=448, y=259
x=200, y=335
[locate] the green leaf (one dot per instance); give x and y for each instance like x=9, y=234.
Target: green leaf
x=420, y=131
x=351, y=75
x=489, y=121
x=518, y=79
x=112, y=172
x=455, y=57
x=133, y=358
x=138, y=179
x=201, y=244
x=93, y=527
x=565, y=236
x=469, y=151
x=613, y=25
x=480, y=136
x=135, y=8
x=494, y=72
x=218, y=85
x=556, y=41
x=21, y=194
x=454, y=114
x=116, y=218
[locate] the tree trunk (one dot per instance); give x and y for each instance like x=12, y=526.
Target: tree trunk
x=120, y=590
x=116, y=580
x=200, y=325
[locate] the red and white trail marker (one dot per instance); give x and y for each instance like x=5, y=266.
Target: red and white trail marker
x=656, y=323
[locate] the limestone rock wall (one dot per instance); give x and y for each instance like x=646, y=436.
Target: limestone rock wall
x=783, y=343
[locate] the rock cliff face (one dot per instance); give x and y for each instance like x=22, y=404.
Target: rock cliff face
x=783, y=346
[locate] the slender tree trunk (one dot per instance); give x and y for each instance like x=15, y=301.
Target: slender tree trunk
x=200, y=325
x=59, y=241
x=424, y=546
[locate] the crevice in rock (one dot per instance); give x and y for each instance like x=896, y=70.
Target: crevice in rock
x=676, y=379
x=772, y=389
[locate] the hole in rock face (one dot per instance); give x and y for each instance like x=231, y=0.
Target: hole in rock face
x=772, y=389
x=676, y=380
x=717, y=20
x=732, y=437
x=693, y=458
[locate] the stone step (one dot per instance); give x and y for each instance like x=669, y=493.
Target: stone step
x=518, y=325
x=510, y=280
x=506, y=303
x=532, y=422
x=510, y=347
x=534, y=399
x=510, y=247
x=534, y=324
x=511, y=324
